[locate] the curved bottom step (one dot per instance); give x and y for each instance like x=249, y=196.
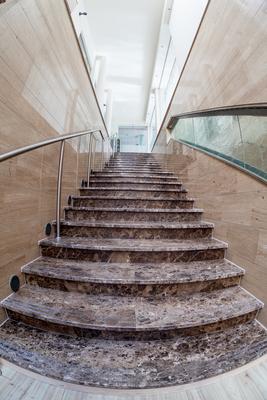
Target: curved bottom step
x=126, y=364
x=131, y=317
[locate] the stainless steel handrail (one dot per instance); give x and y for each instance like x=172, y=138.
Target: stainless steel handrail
x=30, y=147
x=61, y=139
x=257, y=109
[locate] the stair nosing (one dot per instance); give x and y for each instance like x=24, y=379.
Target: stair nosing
x=206, y=244
x=118, y=189
x=178, y=183
x=130, y=198
x=138, y=210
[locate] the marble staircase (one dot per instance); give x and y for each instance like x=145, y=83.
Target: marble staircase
x=137, y=293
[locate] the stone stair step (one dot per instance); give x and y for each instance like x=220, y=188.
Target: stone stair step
x=139, y=317
x=128, y=364
x=134, y=161
x=135, y=166
x=134, y=192
x=113, y=201
x=133, y=177
x=140, y=171
x=133, y=214
x=133, y=250
x=126, y=279
x=132, y=165
x=132, y=184
x=136, y=230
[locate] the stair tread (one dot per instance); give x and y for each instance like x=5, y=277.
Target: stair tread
x=132, y=273
x=138, y=210
x=133, y=170
x=130, y=198
x=127, y=364
x=134, y=245
x=136, y=165
x=135, y=183
x=110, y=188
x=124, y=313
x=101, y=175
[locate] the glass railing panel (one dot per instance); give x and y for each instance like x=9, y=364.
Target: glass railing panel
x=254, y=135
x=240, y=139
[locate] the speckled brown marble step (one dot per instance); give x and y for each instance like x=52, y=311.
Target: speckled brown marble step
x=131, y=192
x=133, y=214
x=127, y=202
x=130, y=364
x=136, y=161
x=133, y=250
x=121, y=163
x=140, y=171
x=136, y=230
x=123, y=279
x=121, y=184
x=150, y=169
x=134, y=169
x=139, y=317
x=133, y=166
x=133, y=177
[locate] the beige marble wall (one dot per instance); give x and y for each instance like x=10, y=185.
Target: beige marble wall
x=226, y=67
x=44, y=92
x=227, y=63
x=234, y=201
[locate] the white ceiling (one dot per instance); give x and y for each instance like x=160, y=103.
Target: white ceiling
x=127, y=33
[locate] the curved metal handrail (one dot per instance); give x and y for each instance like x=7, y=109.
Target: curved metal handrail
x=59, y=139
x=46, y=142
x=258, y=109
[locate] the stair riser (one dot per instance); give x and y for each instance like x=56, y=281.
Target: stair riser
x=124, y=334
x=132, y=203
x=157, y=290
x=120, y=216
x=132, y=256
x=135, y=233
x=121, y=185
x=134, y=194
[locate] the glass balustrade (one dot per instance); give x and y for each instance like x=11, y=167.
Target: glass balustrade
x=239, y=139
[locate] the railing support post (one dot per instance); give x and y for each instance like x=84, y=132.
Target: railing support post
x=89, y=160
x=102, y=154
x=59, y=188
x=94, y=146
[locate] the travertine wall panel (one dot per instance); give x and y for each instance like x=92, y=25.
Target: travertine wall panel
x=44, y=92
x=227, y=63
x=235, y=202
